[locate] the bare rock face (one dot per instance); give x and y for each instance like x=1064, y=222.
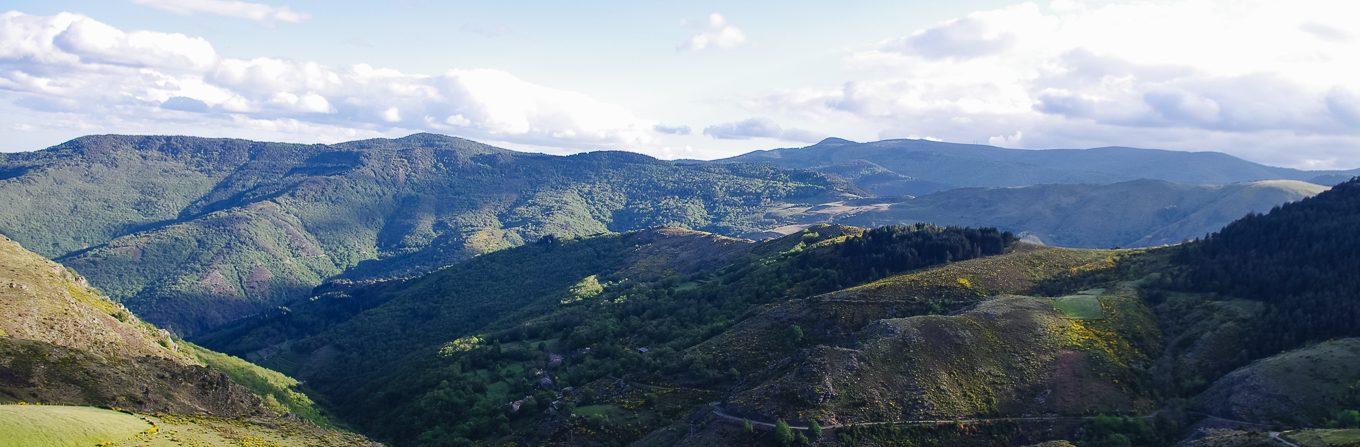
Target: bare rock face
x=35, y=371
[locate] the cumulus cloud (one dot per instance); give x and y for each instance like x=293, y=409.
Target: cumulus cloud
x=73, y=64
x=228, y=8
x=716, y=33
x=758, y=128
x=1256, y=73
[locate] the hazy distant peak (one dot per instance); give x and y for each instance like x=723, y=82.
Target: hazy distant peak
x=833, y=141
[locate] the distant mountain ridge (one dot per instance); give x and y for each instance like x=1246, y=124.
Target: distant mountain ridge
x=913, y=167
x=195, y=232
x=1135, y=213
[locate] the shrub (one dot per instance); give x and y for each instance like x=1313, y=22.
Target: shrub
x=783, y=433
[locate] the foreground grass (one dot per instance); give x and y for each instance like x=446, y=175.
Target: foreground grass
x=57, y=426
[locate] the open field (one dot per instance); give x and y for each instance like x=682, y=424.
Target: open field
x=1084, y=305
x=61, y=426
x=57, y=426
x=1325, y=438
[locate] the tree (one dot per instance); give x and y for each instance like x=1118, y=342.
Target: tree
x=747, y=427
x=783, y=433
x=1348, y=419
x=796, y=335
x=815, y=429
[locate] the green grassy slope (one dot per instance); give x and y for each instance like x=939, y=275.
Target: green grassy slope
x=1012, y=355
x=1307, y=386
x=835, y=317
x=279, y=392
x=61, y=426
x=68, y=426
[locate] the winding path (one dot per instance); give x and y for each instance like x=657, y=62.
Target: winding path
x=717, y=411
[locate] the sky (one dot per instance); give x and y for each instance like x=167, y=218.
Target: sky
x=1270, y=81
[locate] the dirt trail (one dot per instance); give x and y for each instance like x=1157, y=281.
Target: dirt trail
x=717, y=411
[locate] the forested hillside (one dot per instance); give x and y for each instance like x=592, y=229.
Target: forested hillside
x=1299, y=260
x=845, y=336
x=472, y=340
x=192, y=233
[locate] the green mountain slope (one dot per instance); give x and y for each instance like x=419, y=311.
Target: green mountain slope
x=914, y=167
x=1307, y=386
x=920, y=335
x=61, y=343
x=472, y=336
x=924, y=335
x=192, y=233
x=1137, y=213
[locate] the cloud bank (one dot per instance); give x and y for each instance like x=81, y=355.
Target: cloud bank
x=1273, y=81
x=758, y=128
x=104, y=77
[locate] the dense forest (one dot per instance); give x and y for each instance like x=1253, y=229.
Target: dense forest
x=1290, y=259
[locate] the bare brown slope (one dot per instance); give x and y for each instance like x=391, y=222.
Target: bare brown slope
x=44, y=301
x=63, y=343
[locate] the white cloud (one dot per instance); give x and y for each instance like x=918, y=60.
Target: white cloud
x=717, y=33
x=1259, y=77
x=74, y=65
x=96, y=42
x=673, y=130
x=759, y=128
x=229, y=8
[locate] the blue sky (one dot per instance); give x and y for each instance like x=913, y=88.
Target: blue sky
x=1255, y=79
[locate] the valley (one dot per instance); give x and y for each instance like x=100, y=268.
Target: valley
x=908, y=223
x=435, y=291
x=196, y=233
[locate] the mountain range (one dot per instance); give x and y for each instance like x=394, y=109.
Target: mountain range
x=194, y=233
x=915, y=167
x=434, y=291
